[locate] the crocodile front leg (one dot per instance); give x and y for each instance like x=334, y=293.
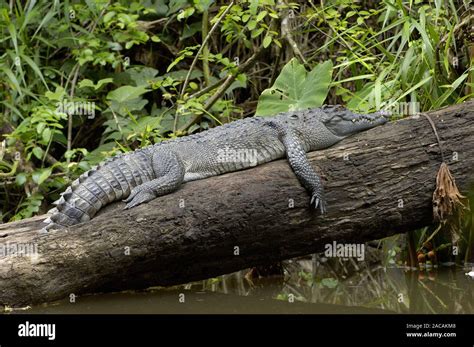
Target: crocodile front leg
x=169, y=172
x=303, y=170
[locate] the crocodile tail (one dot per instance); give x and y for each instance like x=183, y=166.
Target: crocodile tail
x=111, y=180
x=77, y=204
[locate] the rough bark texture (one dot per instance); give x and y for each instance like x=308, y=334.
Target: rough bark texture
x=192, y=234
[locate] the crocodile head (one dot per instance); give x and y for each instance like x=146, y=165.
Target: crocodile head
x=322, y=127
x=342, y=122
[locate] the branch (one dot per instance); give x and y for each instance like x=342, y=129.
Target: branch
x=204, y=43
x=148, y=25
x=205, y=50
x=286, y=32
x=69, y=119
x=224, y=84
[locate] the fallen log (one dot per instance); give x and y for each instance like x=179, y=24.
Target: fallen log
x=378, y=183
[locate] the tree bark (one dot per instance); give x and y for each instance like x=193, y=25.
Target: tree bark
x=378, y=183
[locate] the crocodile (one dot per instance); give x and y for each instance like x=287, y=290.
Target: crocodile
x=147, y=173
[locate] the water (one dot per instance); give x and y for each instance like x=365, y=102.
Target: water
x=306, y=285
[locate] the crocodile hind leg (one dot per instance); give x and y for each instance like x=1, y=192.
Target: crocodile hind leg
x=304, y=171
x=169, y=172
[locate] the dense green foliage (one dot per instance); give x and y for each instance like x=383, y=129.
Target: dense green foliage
x=82, y=80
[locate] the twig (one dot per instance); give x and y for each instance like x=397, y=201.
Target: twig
x=276, y=65
x=193, y=64
x=225, y=84
x=205, y=50
x=116, y=121
x=433, y=234
x=207, y=89
x=69, y=120
x=436, y=134
x=286, y=33
x=145, y=26
x=94, y=25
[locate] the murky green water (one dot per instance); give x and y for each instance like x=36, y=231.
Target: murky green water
x=308, y=285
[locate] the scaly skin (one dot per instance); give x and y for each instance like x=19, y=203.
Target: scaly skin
x=142, y=175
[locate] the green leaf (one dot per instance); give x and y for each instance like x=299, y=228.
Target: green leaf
x=123, y=108
x=108, y=16
x=20, y=179
x=415, y=87
x=126, y=93
x=329, y=282
x=266, y=41
x=40, y=127
x=257, y=32
x=103, y=82
x=35, y=68
x=11, y=76
x=252, y=24
x=296, y=89
x=350, y=14
x=439, y=102
x=203, y=5
x=57, y=95
x=185, y=13
x=136, y=76
x=189, y=30
x=46, y=135
x=84, y=165
x=39, y=176
x=155, y=38
x=38, y=152
x=88, y=83
x=261, y=15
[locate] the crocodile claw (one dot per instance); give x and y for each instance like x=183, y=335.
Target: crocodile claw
x=139, y=199
x=131, y=196
x=128, y=199
x=318, y=201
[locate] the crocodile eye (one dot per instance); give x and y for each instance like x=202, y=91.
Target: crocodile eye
x=294, y=116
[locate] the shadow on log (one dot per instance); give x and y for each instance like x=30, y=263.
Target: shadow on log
x=378, y=183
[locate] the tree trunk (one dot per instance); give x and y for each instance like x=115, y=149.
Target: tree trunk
x=378, y=183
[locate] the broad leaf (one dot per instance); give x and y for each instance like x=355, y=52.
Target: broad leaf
x=296, y=89
x=126, y=93
x=88, y=83
x=39, y=176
